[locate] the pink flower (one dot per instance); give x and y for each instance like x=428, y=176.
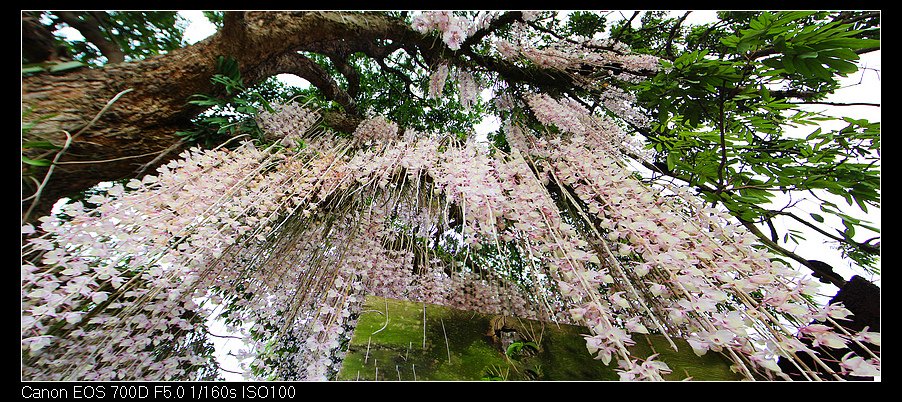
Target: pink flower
x=869, y=337
x=699, y=344
x=835, y=311
x=765, y=361
x=823, y=335
x=634, y=324
x=421, y=23
x=454, y=37
x=858, y=366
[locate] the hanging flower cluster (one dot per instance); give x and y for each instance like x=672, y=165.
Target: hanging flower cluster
x=376, y=130
x=710, y=286
x=243, y=232
x=454, y=30
x=287, y=123
x=437, y=81
x=467, y=88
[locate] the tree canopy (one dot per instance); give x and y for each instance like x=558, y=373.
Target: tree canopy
x=693, y=120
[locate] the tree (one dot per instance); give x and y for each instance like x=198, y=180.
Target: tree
x=706, y=100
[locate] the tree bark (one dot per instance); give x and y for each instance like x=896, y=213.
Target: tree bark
x=140, y=122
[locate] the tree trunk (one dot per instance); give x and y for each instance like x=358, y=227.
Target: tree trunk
x=138, y=126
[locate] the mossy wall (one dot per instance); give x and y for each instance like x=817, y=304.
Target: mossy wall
x=408, y=341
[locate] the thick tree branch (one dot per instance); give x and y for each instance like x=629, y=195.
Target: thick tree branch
x=502, y=20
x=349, y=73
x=93, y=34
x=301, y=66
x=342, y=122
x=234, y=25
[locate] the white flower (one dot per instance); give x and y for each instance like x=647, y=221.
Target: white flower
x=37, y=343
x=870, y=337
x=859, y=366
x=454, y=37
x=27, y=229
x=99, y=297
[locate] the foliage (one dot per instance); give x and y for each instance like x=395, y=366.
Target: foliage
x=232, y=110
x=138, y=34
x=724, y=122
x=215, y=17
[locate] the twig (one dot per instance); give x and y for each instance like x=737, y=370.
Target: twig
x=625, y=25
x=835, y=103
x=167, y=151
x=37, y=194
x=104, y=109
x=108, y=160
x=230, y=371
x=830, y=276
x=424, y=325
x=673, y=30
x=386, y=319
x=447, y=347
x=861, y=246
x=723, y=147
x=224, y=336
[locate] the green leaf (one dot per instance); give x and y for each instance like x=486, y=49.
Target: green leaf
x=850, y=229
x=851, y=43
x=801, y=66
x=817, y=217
x=788, y=64
x=808, y=55
x=819, y=71
x=36, y=162
x=840, y=53
x=842, y=66
x=40, y=145
x=65, y=66
x=671, y=160
x=32, y=69
x=861, y=204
